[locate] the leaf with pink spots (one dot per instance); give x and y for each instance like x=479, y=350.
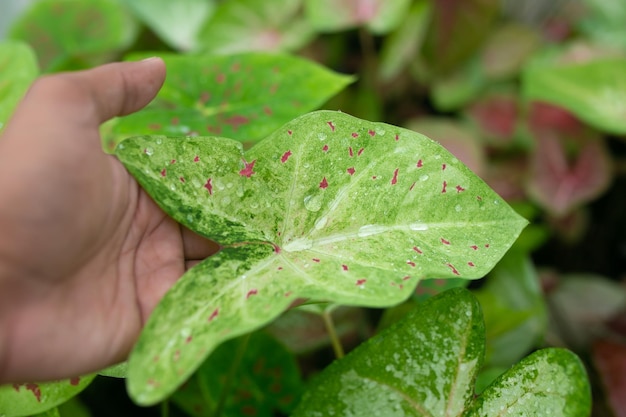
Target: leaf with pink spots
x=306, y=227
x=31, y=398
x=243, y=97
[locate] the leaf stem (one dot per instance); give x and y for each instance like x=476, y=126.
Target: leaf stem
x=165, y=408
x=332, y=333
x=230, y=378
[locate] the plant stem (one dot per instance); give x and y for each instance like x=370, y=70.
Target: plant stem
x=231, y=375
x=165, y=408
x=334, y=340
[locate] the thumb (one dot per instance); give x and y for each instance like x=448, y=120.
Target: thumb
x=120, y=88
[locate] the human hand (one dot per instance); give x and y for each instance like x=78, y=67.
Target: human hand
x=85, y=254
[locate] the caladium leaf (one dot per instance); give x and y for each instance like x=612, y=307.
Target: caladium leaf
x=594, y=91
x=74, y=33
x=18, y=68
x=31, y=398
x=243, y=97
x=251, y=25
x=329, y=207
x=250, y=375
x=380, y=16
x=176, y=22
x=426, y=365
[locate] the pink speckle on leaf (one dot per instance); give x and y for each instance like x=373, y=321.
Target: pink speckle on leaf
x=411, y=187
x=344, y=267
x=397, y=137
x=288, y=293
x=418, y=250
x=175, y=121
x=444, y=188
x=411, y=264
x=474, y=247
x=163, y=172
x=406, y=278
x=220, y=78
x=236, y=120
x=173, y=161
x=267, y=110
x=196, y=159
x=445, y=242
x=443, y=167
x=459, y=189
x=182, y=179
x=216, y=130
x=394, y=180
x=360, y=152
x=479, y=198
x=176, y=356
x=350, y=170
x=75, y=381
x=371, y=133
x=315, y=260
x=471, y=264
x=214, y=314
x=209, y=186
x=487, y=245
x=188, y=339
x=324, y=183
x=289, y=132
x=355, y=135
x=419, y=164
x=374, y=177
x=454, y=271
x=251, y=293
x=205, y=97
x=154, y=126
x=247, y=170
x=361, y=281
x=285, y=156
x=350, y=151
x=332, y=126
x=325, y=148
x=34, y=388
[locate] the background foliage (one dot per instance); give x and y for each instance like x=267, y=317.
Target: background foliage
x=529, y=94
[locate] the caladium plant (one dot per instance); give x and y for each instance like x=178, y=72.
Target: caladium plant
x=328, y=207
x=426, y=365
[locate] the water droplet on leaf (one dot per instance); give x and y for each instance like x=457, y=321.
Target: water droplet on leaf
x=313, y=202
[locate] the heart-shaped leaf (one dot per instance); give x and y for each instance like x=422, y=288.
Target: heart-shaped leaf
x=18, y=68
x=426, y=365
x=31, y=398
x=251, y=375
x=74, y=33
x=252, y=25
x=243, y=97
x=329, y=207
x=380, y=16
x=176, y=22
x=594, y=91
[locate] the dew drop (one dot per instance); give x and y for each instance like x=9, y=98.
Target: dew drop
x=313, y=202
x=371, y=229
x=148, y=151
x=229, y=185
x=172, y=187
x=424, y=177
x=458, y=208
x=159, y=141
x=226, y=201
x=254, y=205
x=189, y=218
x=321, y=136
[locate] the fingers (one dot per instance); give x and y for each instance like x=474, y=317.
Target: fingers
x=196, y=247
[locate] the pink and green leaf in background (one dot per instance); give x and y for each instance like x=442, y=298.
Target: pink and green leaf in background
x=29, y=398
x=251, y=25
x=594, y=91
x=70, y=34
x=426, y=365
x=379, y=16
x=242, y=97
x=328, y=207
x=18, y=69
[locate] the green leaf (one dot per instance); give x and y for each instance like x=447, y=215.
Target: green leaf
x=550, y=382
x=329, y=207
x=251, y=375
x=380, y=16
x=74, y=33
x=424, y=365
x=252, y=25
x=18, y=69
x=427, y=364
x=594, y=91
x=514, y=310
x=243, y=97
x=115, y=371
x=31, y=398
x=176, y=22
